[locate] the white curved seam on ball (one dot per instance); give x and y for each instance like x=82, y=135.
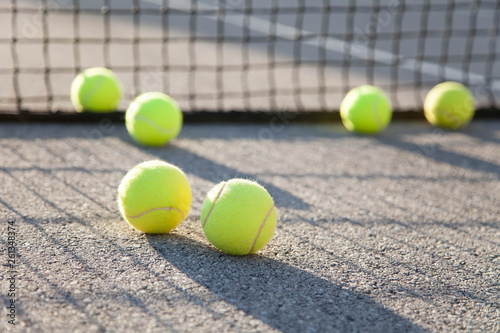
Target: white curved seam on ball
x=215, y=201
x=154, y=209
x=165, y=131
x=260, y=229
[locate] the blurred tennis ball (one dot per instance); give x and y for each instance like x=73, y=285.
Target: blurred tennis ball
x=96, y=89
x=449, y=105
x=366, y=109
x=154, y=197
x=238, y=216
x=153, y=119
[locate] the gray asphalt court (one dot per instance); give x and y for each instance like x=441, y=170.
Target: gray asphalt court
x=394, y=233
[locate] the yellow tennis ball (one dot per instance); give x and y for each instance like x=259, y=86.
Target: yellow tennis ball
x=238, y=216
x=154, y=197
x=449, y=105
x=366, y=109
x=153, y=119
x=96, y=90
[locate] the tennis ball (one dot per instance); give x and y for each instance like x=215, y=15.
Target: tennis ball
x=366, y=109
x=153, y=119
x=449, y=105
x=97, y=90
x=238, y=216
x=154, y=197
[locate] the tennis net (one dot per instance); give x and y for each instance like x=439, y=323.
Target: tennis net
x=266, y=55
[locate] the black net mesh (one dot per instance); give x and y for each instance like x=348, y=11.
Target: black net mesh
x=266, y=55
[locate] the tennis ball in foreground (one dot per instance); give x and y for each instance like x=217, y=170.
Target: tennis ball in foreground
x=153, y=119
x=97, y=90
x=238, y=216
x=366, y=109
x=154, y=197
x=449, y=105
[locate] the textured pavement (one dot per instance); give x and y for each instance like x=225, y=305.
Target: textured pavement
x=395, y=233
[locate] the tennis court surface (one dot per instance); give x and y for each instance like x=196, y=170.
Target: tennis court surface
x=391, y=234
x=395, y=232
